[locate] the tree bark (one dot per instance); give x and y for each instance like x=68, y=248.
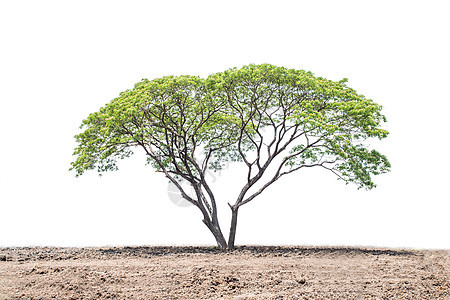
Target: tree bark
x=218, y=235
x=231, y=238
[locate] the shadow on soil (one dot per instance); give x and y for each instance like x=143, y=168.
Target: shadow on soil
x=264, y=250
x=56, y=253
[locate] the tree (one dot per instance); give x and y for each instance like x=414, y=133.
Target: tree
x=274, y=120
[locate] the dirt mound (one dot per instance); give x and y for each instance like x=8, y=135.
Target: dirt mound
x=251, y=272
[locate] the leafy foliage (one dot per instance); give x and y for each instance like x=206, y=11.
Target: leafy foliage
x=187, y=124
x=169, y=117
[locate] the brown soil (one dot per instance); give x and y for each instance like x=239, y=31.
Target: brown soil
x=206, y=273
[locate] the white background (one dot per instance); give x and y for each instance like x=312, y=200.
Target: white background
x=61, y=60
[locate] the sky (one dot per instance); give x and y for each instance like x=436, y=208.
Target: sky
x=62, y=60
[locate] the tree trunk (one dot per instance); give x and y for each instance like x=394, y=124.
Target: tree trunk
x=234, y=215
x=215, y=230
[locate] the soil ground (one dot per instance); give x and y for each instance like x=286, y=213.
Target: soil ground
x=252, y=272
